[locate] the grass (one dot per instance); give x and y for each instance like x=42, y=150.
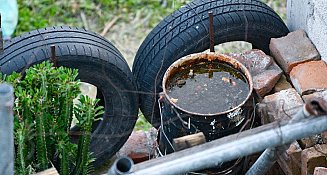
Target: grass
x=35, y=14
x=136, y=19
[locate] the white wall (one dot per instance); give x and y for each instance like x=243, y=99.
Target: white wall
x=310, y=15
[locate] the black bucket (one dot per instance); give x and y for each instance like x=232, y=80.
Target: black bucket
x=177, y=122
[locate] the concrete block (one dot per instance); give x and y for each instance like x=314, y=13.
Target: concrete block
x=264, y=70
x=313, y=157
x=282, y=84
x=282, y=105
x=320, y=171
x=309, y=77
x=293, y=49
x=310, y=15
x=140, y=146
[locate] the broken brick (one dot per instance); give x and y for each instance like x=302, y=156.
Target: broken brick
x=320, y=171
x=313, y=157
x=308, y=141
x=282, y=105
x=290, y=160
x=282, y=84
x=264, y=70
x=293, y=49
x=140, y=146
x=309, y=77
x=321, y=94
x=265, y=81
x=324, y=137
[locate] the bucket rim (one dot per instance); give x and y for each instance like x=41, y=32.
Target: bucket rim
x=210, y=56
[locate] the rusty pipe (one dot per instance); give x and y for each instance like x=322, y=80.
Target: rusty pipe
x=211, y=32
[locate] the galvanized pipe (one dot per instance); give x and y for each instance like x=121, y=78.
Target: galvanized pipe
x=122, y=166
x=266, y=160
x=232, y=147
x=1, y=39
x=269, y=156
x=6, y=129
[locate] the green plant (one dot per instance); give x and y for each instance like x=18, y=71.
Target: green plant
x=34, y=14
x=43, y=113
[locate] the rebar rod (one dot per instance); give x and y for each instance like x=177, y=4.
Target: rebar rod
x=53, y=55
x=211, y=32
x=232, y=147
x=6, y=129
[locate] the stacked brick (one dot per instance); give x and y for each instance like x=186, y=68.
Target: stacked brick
x=304, y=71
x=283, y=83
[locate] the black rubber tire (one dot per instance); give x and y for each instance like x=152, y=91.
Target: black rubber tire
x=186, y=31
x=99, y=63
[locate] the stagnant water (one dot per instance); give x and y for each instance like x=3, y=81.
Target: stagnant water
x=207, y=87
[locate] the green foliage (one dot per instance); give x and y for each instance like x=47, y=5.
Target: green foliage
x=34, y=14
x=44, y=112
x=142, y=123
x=85, y=114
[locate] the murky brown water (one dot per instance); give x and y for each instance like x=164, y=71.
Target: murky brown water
x=207, y=87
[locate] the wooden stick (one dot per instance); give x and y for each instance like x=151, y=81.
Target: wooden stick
x=188, y=141
x=84, y=20
x=109, y=25
x=51, y=171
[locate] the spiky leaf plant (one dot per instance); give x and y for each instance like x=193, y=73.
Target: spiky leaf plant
x=44, y=111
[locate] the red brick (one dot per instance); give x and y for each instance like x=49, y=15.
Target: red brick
x=140, y=146
x=320, y=171
x=283, y=104
x=290, y=160
x=266, y=81
x=264, y=70
x=313, y=157
x=282, y=84
x=256, y=61
x=293, y=49
x=309, y=77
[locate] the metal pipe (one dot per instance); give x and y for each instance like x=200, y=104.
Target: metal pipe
x=6, y=129
x=53, y=55
x=211, y=32
x=267, y=159
x=1, y=39
x=232, y=147
x=122, y=166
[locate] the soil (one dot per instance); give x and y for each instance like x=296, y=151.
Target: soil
x=207, y=87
